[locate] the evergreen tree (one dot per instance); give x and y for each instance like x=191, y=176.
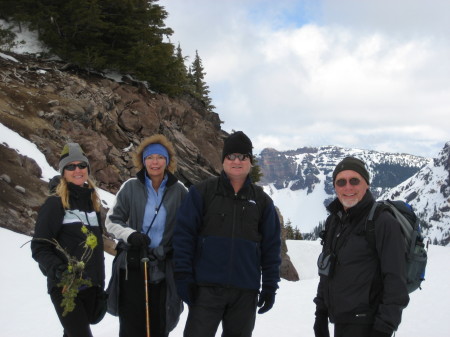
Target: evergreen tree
x=183, y=75
x=255, y=172
x=135, y=33
x=126, y=36
x=297, y=234
x=7, y=38
x=289, y=230
x=17, y=11
x=197, y=77
x=315, y=233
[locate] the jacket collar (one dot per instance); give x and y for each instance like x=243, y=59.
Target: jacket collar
x=354, y=212
x=80, y=196
x=243, y=193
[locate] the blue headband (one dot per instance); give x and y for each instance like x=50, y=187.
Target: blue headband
x=155, y=149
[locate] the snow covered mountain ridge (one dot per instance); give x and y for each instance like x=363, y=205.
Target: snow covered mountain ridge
x=428, y=191
x=300, y=183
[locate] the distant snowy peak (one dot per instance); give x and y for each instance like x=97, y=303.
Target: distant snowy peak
x=300, y=169
x=428, y=191
x=300, y=183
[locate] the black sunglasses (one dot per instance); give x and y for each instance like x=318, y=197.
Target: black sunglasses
x=352, y=181
x=239, y=156
x=72, y=167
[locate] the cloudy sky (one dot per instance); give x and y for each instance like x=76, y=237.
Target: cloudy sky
x=370, y=74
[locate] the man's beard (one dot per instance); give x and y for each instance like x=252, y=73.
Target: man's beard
x=349, y=203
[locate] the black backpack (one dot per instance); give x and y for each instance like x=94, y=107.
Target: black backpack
x=415, y=253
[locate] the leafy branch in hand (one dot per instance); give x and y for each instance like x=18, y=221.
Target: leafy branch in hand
x=72, y=280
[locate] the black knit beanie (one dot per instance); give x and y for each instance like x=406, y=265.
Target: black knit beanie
x=354, y=164
x=237, y=142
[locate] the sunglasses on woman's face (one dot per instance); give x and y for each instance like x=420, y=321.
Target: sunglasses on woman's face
x=352, y=181
x=72, y=167
x=239, y=156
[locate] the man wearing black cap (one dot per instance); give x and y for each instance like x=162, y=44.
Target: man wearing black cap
x=361, y=291
x=227, y=240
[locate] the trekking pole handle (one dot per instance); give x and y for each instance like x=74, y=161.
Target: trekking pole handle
x=144, y=254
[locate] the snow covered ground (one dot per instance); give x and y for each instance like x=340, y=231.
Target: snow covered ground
x=26, y=309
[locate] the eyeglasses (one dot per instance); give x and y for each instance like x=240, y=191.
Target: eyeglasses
x=352, y=181
x=239, y=156
x=72, y=167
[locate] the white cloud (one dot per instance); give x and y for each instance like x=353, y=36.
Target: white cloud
x=366, y=74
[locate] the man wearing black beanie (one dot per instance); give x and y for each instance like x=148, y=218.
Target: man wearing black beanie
x=361, y=291
x=227, y=240
x=238, y=142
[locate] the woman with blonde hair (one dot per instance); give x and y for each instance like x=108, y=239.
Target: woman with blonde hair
x=143, y=219
x=66, y=222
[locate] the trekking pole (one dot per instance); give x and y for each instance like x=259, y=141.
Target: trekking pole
x=145, y=260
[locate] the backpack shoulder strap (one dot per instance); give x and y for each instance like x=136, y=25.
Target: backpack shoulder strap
x=260, y=198
x=370, y=226
x=207, y=189
x=323, y=235
x=369, y=229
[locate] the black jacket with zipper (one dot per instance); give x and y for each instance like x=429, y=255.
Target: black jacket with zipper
x=64, y=226
x=366, y=286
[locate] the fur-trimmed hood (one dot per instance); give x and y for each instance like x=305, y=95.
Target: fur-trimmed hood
x=155, y=139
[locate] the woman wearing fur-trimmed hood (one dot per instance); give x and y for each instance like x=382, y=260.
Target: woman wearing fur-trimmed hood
x=143, y=219
x=156, y=139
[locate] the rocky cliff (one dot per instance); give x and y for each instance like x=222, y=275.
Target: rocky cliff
x=51, y=103
x=304, y=168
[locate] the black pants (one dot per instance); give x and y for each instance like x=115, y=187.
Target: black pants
x=132, y=312
x=235, y=308
x=352, y=330
x=76, y=322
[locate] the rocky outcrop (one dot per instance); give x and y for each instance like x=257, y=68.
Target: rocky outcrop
x=277, y=167
x=18, y=206
x=50, y=107
x=50, y=104
x=287, y=269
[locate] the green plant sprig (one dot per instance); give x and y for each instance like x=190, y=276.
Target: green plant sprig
x=72, y=278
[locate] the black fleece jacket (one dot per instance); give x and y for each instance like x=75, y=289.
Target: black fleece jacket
x=366, y=287
x=54, y=222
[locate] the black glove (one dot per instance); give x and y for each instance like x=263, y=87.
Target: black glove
x=321, y=326
x=376, y=333
x=58, y=272
x=186, y=288
x=138, y=240
x=266, y=299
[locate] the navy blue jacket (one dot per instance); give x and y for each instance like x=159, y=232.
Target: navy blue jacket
x=229, y=240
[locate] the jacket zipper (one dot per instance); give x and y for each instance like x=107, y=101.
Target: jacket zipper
x=233, y=228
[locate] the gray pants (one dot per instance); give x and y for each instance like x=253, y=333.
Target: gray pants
x=235, y=308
